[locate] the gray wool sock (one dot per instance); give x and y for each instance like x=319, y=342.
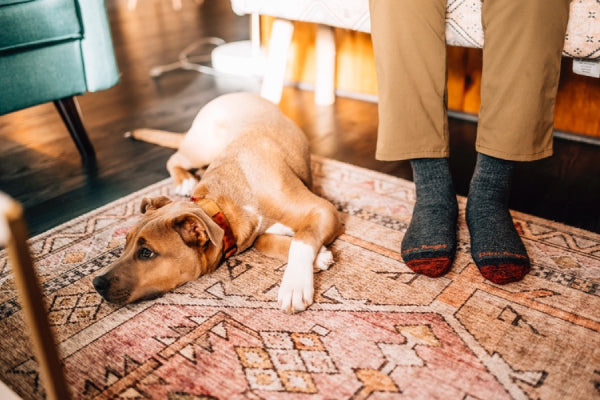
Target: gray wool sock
x=429, y=245
x=496, y=246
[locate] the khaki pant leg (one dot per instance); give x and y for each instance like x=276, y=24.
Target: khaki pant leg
x=521, y=66
x=409, y=40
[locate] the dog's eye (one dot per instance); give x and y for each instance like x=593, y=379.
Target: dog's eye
x=145, y=253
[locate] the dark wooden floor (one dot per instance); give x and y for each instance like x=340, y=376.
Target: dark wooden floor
x=40, y=167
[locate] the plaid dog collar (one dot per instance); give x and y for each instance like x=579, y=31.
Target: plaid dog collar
x=212, y=210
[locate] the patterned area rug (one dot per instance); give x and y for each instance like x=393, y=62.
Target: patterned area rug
x=376, y=330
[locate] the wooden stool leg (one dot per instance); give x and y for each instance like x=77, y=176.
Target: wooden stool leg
x=30, y=296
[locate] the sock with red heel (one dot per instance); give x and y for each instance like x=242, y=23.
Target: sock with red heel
x=429, y=245
x=496, y=246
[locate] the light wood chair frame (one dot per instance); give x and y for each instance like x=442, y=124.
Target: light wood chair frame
x=13, y=235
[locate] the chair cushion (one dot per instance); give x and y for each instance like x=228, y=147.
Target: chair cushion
x=40, y=75
x=39, y=22
x=7, y=2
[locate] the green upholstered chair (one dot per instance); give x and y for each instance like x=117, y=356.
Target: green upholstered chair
x=53, y=50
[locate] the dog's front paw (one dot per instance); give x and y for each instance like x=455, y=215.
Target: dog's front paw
x=324, y=259
x=296, y=290
x=186, y=187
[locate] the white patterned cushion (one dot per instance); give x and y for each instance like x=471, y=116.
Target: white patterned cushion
x=463, y=20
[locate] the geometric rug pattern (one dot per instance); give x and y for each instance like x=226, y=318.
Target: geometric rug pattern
x=375, y=331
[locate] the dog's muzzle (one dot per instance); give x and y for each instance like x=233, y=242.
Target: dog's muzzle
x=101, y=284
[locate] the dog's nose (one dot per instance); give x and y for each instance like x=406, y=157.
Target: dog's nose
x=101, y=284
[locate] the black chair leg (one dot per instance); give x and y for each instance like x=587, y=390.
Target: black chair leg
x=68, y=108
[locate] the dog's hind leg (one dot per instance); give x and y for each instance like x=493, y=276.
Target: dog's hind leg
x=318, y=226
x=179, y=168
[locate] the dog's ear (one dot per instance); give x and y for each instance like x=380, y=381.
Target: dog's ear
x=197, y=229
x=154, y=203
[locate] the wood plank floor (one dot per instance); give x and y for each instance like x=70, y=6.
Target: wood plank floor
x=40, y=166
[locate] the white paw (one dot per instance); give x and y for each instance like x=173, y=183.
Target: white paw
x=296, y=290
x=186, y=187
x=324, y=259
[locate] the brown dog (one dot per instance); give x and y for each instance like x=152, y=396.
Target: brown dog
x=256, y=191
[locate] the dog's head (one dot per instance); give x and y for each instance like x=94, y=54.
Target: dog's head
x=173, y=243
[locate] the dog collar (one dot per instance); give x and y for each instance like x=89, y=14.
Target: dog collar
x=212, y=210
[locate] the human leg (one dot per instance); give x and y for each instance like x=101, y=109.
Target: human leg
x=521, y=66
x=410, y=56
x=409, y=41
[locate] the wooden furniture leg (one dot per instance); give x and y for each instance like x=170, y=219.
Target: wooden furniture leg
x=68, y=108
x=277, y=54
x=325, y=80
x=13, y=234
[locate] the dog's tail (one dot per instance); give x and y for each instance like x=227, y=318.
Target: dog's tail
x=154, y=136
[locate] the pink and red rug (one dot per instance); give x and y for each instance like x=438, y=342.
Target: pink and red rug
x=376, y=330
